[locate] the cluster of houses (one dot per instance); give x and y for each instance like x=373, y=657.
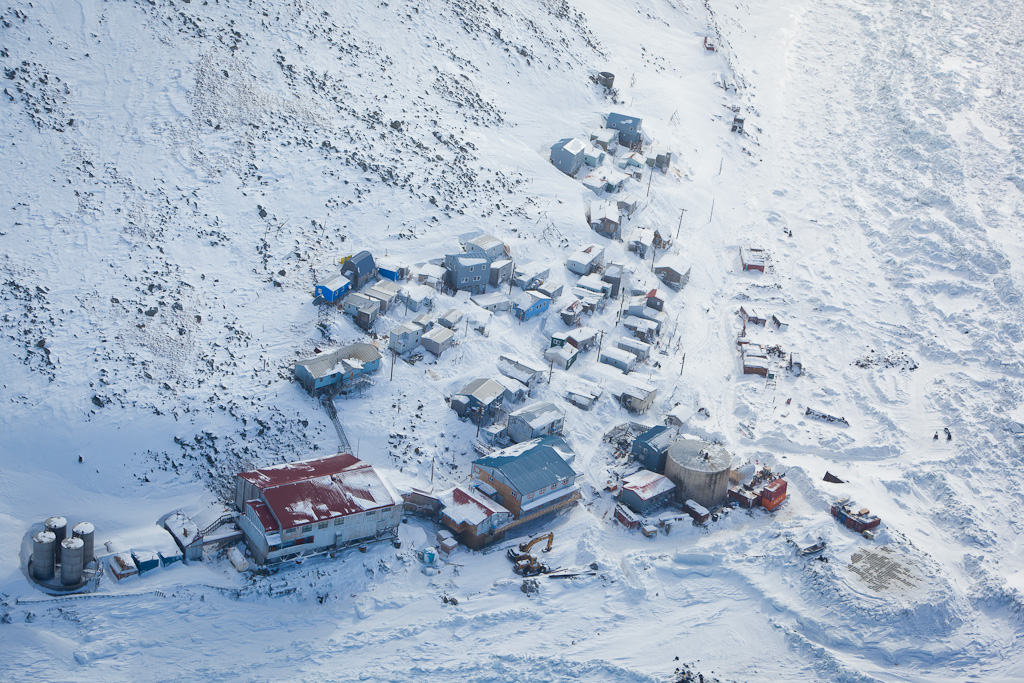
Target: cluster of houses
x=756, y=358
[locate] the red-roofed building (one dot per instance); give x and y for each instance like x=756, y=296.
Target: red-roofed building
x=313, y=505
x=472, y=515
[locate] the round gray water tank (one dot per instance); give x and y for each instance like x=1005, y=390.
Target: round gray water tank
x=44, y=555
x=605, y=79
x=59, y=527
x=700, y=470
x=87, y=532
x=72, y=561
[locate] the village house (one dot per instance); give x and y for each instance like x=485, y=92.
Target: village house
x=359, y=269
x=660, y=159
x=605, y=219
x=605, y=179
x=472, y=515
x=630, y=134
x=390, y=270
x=567, y=155
x=595, y=285
x=488, y=246
x=500, y=272
x=651, y=448
x=423, y=320
x=781, y=323
x=531, y=479
x=796, y=365
x=332, y=288
x=418, y=297
x=643, y=329
x=338, y=369
x=593, y=155
x=752, y=315
x=752, y=259
x=586, y=260
x=646, y=491
x=642, y=242
x=617, y=358
x=429, y=274
x=605, y=138
x=755, y=360
x=386, y=292
x=438, y=340
x=673, y=271
x=563, y=357
x=405, y=337
x=468, y=272
x=572, y=312
x=534, y=421
x=550, y=289
x=450, y=318
x=627, y=204
x=583, y=394
x=679, y=415
x=640, y=349
x=492, y=301
x=515, y=391
x=480, y=400
x=315, y=505
x=529, y=305
x=613, y=275
x=363, y=309
x=633, y=164
x=524, y=370
x=529, y=274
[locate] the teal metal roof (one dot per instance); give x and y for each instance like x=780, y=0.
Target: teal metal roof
x=532, y=465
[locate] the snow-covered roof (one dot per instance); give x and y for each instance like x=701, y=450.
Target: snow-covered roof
x=571, y=145
x=646, y=484
x=533, y=465
x=182, y=528
x=463, y=504
x=673, y=262
x=485, y=242
x=439, y=335
x=618, y=355
x=489, y=299
x=538, y=415
x=319, y=489
x=345, y=358
x=483, y=389
x=333, y=282
x=529, y=298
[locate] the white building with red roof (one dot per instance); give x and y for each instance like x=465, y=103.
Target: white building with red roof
x=314, y=505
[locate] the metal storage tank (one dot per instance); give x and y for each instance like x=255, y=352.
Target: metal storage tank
x=87, y=532
x=72, y=561
x=59, y=527
x=44, y=555
x=605, y=79
x=700, y=470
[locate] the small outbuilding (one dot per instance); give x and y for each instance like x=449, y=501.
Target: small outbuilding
x=617, y=358
x=605, y=219
x=530, y=304
x=563, y=357
x=438, y=340
x=605, y=138
x=492, y=301
x=673, y=271
x=586, y=260
x=646, y=491
x=332, y=288
x=752, y=259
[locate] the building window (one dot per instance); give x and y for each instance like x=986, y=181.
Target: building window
x=476, y=278
x=321, y=525
x=307, y=527
x=465, y=280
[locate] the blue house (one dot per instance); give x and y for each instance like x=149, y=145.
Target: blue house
x=651, y=448
x=359, y=269
x=529, y=305
x=628, y=127
x=333, y=288
x=567, y=155
x=390, y=270
x=337, y=369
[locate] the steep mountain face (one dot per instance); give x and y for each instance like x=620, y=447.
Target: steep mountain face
x=178, y=174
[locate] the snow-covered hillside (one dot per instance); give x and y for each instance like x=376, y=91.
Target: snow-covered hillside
x=179, y=174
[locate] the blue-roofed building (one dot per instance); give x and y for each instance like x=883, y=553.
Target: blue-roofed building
x=332, y=288
x=568, y=155
x=529, y=305
x=359, y=269
x=628, y=127
x=531, y=479
x=651, y=448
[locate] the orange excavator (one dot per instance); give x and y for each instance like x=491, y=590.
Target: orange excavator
x=526, y=564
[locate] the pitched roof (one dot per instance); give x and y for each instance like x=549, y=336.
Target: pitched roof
x=538, y=414
x=483, y=389
x=646, y=484
x=343, y=360
x=465, y=504
x=361, y=263
x=532, y=465
x=485, y=242
x=336, y=281
x=571, y=145
x=658, y=437
x=323, y=488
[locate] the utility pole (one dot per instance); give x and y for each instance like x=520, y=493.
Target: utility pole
x=712, y=210
x=682, y=365
x=654, y=255
x=650, y=177
x=551, y=371
x=394, y=355
x=681, y=212
x=600, y=342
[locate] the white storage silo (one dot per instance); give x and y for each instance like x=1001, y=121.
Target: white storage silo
x=87, y=532
x=44, y=555
x=72, y=561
